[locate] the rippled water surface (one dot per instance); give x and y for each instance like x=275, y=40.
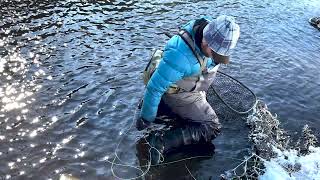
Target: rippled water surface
x=70, y=80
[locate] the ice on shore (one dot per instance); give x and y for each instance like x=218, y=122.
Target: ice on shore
x=289, y=165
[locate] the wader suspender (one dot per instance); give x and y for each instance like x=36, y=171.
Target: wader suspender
x=188, y=40
x=202, y=61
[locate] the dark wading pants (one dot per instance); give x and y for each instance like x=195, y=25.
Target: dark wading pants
x=193, y=107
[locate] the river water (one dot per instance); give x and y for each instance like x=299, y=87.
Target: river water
x=70, y=80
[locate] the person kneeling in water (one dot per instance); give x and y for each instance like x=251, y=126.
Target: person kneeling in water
x=187, y=68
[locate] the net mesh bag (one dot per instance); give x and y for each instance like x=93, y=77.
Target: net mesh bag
x=228, y=95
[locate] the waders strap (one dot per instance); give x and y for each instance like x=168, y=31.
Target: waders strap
x=187, y=38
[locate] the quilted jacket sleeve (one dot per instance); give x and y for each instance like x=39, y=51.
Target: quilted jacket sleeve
x=172, y=68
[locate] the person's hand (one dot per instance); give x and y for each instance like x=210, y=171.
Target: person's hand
x=141, y=124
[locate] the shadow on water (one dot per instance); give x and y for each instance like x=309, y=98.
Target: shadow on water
x=70, y=80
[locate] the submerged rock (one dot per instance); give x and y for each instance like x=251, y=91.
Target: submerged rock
x=315, y=22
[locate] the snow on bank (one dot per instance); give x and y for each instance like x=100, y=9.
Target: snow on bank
x=289, y=165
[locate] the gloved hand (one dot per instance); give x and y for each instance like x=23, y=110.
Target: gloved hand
x=141, y=124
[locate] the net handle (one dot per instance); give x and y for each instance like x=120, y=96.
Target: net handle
x=234, y=110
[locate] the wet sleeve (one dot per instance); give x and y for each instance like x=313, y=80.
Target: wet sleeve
x=171, y=69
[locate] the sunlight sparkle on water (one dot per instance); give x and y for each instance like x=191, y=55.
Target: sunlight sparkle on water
x=33, y=133
x=35, y=120
x=105, y=158
x=40, y=72
x=20, y=97
x=11, y=98
x=24, y=111
x=31, y=54
x=66, y=140
x=42, y=160
x=54, y=119
x=13, y=105
x=11, y=164
x=10, y=90
x=79, y=155
x=2, y=137
x=2, y=63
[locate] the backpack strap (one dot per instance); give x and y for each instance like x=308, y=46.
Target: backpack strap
x=188, y=40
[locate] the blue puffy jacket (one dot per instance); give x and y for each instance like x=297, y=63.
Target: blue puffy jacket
x=177, y=63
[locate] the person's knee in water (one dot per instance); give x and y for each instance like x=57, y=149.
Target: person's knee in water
x=186, y=69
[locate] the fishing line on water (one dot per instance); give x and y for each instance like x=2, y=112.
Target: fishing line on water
x=190, y=172
x=149, y=165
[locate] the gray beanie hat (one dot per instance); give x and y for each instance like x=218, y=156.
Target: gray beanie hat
x=222, y=35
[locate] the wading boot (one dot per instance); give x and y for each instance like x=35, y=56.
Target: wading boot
x=156, y=144
x=175, y=138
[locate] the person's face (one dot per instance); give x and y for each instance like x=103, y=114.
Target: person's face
x=208, y=52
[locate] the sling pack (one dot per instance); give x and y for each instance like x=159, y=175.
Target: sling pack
x=157, y=56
